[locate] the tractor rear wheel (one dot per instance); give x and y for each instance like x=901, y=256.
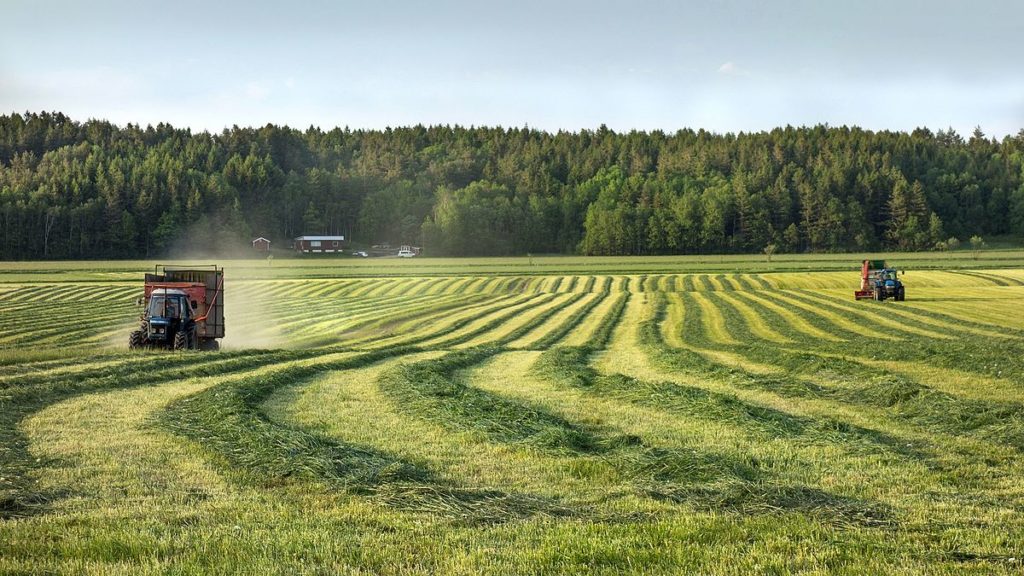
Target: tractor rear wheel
x=135, y=340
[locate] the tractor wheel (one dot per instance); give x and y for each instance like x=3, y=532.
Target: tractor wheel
x=181, y=340
x=901, y=295
x=878, y=295
x=135, y=340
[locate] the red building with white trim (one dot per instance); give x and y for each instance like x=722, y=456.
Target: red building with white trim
x=318, y=244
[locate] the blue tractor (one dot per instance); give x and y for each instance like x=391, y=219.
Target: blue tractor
x=888, y=285
x=879, y=282
x=168, y=322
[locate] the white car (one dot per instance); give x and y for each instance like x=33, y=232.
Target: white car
x=406, y=253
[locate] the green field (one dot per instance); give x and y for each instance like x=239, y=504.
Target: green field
x=524, y=415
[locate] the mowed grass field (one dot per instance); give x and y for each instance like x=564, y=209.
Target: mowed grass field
x=518, y=416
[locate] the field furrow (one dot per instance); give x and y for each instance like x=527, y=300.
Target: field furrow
x=622, y=415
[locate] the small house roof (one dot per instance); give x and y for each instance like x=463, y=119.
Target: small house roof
x=261, y=238
x=320, y=238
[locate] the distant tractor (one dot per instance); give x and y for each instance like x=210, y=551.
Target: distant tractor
x=183, y=309
x=879, y=282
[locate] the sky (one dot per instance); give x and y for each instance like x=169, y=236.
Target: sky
x=720, y=65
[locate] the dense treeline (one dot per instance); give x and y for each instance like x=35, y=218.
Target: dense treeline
x=95, y=190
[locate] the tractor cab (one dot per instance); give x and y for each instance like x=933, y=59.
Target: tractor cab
x=888, y=277
x=169, y=312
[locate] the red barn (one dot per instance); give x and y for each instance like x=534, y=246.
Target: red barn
x=318, y=244
x=261, y=244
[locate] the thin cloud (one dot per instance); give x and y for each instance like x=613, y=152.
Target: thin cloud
x=256, y=91
x=730, y=68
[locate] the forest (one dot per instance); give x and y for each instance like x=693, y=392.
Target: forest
x=88, y=190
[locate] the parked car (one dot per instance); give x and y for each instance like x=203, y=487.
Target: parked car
x=406, y=253
x=360, y=254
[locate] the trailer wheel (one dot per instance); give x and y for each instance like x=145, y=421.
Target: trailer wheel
x=209, y=345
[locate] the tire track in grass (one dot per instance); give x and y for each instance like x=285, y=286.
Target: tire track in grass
x=872, y=315
x=762, y=283
x=742, y=282
x=839, y=326
x=406, y=325
x=926, y=323
x=18, y=496
x=785, y=384
x=865, y=353
x=324, y=319
x=996, y=357
x=335, y=405
x=811, y=375
x=715, y=338
x=515, y=328
x=420, y=330
x=967, y=315
x=791, y=325
x=384, y=324
x=430, y=390
x=484, y=323
x=722, y=282
x=348, y=319
x=433, y=390
x=706, y=479
x=709, y=480
x=994, y=279
x=753, y=321
x=714, y=323
x=226, y=420
x=587, y=329
x=566, y=324
x=560, y=323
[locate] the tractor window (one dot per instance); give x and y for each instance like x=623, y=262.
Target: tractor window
x=165, y=307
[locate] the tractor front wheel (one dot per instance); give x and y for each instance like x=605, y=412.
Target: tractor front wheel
x=135, y=340
x=182, y=340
